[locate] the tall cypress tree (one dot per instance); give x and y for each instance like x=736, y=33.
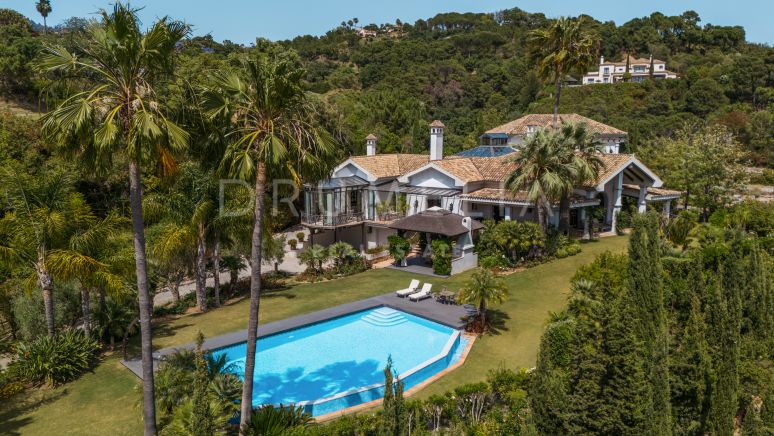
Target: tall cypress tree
x=625, y=389
x=726, y=323
x=759, y=301
x=202, y=422
x=647, y=295
x=692, y=379
x=394, y=411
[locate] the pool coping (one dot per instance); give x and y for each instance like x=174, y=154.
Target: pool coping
x=375, y=403
x=445, y=314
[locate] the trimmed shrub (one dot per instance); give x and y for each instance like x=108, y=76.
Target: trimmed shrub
x=300, y=236
x=573, y=249
x=442, y=257
x=293, y=244
x=561, y=253
x=493, y=262
x=54, y=360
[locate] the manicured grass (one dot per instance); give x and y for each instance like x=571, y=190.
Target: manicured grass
x=107, y=401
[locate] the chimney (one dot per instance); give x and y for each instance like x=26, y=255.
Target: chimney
x=601, y=60
x=436, y=140
x=371, y=145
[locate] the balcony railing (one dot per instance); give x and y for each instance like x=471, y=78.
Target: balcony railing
x=331, y=220
x=388, y=216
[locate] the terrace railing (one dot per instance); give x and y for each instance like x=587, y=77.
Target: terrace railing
x=331, y=220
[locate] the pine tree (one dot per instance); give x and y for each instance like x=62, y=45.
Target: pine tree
x=646, y=287
x=202, y=423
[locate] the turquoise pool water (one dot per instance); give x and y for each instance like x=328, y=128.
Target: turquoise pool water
x=339, y=363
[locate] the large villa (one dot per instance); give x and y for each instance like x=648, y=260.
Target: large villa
x=368, y=198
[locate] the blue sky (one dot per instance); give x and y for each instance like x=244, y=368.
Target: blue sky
x=243, y=20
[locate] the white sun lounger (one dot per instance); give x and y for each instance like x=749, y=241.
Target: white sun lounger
x=421, y=295
x=413, y=287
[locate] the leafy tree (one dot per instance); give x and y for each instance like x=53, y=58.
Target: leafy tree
x=121, y=114
x=274, y=251
x=442, y=257
x=519, y=238
x=483, y=290
x=704, y=97
x=706, y=163
x=564, y=47
x=398, y=247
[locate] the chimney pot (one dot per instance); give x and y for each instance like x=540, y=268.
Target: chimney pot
x=436, y=140
x=371, y=145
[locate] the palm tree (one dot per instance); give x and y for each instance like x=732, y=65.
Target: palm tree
x=314, y=257
x=189, y=210
x=483, y=290
x=341, y=252
x=43, y=213
x=87, y=260
x=542, y=171
x=44, y=8
x=562, y=48
x=120, y=113
x=275, y=136
x=584, y=162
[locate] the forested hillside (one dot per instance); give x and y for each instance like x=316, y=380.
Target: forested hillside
x=472, y=72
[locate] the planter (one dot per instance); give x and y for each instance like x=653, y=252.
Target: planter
x=379, y=255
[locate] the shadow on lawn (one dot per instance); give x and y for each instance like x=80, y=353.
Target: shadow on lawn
x=497, y=321
x=11, y=420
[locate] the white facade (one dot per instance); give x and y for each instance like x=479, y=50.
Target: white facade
x=639, y=69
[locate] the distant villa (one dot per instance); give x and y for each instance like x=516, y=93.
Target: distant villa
x=639, y=69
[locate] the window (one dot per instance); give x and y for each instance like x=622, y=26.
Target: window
x=531, y=128
x=606, y=80
x=660, y=67
x=433, y=202
x=606, y=70
x=498, y=141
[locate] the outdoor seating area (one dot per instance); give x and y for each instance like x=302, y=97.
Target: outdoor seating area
x=413, y=293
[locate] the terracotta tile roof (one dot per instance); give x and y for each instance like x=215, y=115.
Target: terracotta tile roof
x=390, y=165
x=613, y=163
x=437, y=123
x=475, y=169
x=521, y=125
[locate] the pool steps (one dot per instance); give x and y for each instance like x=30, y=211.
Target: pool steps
x=384, y=317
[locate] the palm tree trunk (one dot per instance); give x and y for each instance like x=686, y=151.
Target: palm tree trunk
x=255, y=297
x=216, y=267
x=101, y=298
x=175, y=289
x=141, y=266
x=201, y=273
x=85, y=311
x=564, y=214
x=47, y=285
x=540, y=214
x=557, y=95
x=233, y=279
x=482, y=314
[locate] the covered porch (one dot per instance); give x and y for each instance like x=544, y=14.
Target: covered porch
x=438, y=223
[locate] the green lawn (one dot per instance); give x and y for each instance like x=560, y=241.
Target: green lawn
x=107, y=401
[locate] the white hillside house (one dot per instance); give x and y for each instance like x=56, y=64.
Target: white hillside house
x=639, y=69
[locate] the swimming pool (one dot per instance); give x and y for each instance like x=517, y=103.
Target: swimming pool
x=339, y=363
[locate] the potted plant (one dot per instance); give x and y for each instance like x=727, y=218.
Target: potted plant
x=293, y=244
x=300, y=236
